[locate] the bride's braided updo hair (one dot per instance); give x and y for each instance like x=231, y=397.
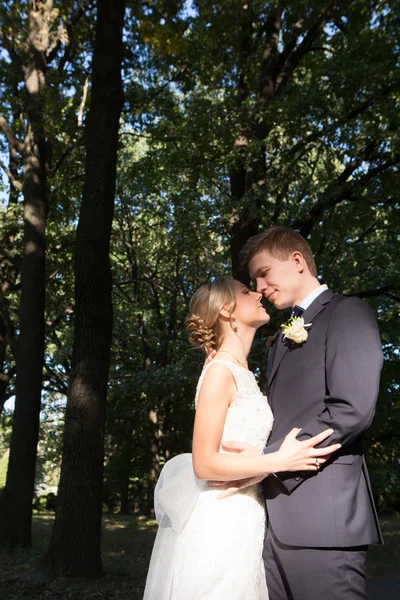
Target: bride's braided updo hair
x=204, y=323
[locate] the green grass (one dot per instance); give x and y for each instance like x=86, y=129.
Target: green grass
x=127, y=543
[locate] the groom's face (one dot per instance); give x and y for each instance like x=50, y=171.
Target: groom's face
x=277, y=280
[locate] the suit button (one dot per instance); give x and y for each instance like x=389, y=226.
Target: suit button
x=297, y=478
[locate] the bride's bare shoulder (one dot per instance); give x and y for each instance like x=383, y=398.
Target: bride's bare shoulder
x=218, y=381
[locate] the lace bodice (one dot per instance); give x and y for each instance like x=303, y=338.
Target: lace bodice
x=249, y=417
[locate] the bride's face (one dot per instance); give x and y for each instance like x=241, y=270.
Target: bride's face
x=249, y=310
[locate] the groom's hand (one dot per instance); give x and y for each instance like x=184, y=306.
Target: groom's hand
x=272, y=339
x=240, y=448
x=232, y=487
x=235, y=486
x=210, y=356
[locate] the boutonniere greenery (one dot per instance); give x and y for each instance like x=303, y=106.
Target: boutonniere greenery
x=296, y=330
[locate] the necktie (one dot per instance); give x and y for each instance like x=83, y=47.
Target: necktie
x=297, y=311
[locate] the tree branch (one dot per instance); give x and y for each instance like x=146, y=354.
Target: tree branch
x=335, y=193
x=305, y=46
x=11, y=138
x=67, y=30
x=373, y=293
x=83, y=102
x=291, y=44
x=54, y=322
x=356, y=162
x=54, y=381
x=352, y=114
x=14, y=182
x=8, y=325
x=15, y=57
x=269, y=65
x=393, y=297
x=379, y=169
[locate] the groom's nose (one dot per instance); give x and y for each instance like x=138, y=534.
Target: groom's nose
x=261, y=285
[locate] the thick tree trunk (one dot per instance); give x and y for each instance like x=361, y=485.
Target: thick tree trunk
x=75, y=544
x=16, y=510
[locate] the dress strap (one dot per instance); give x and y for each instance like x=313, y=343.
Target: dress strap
x=234, y=369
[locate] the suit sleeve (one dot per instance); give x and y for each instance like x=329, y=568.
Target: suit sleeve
x=352, y=370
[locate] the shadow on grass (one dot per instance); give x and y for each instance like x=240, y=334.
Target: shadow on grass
x=384, y=560
x=127, y=544
x=126, y=548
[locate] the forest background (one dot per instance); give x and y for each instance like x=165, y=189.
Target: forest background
x=222, y=118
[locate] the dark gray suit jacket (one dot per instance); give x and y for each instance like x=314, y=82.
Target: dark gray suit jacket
x=331, y=380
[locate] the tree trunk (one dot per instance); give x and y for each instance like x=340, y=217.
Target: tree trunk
x=16, y=510
x=75, y=544
x=16, y=513
x=125, y=508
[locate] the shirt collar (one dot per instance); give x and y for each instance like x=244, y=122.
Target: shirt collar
x=312, y=295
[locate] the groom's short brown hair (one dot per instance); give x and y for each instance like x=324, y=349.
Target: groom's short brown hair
x=279, y=242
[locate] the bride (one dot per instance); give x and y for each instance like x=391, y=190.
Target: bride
x=209, y=546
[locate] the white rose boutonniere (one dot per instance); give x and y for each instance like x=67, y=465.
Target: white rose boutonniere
x=295, y=330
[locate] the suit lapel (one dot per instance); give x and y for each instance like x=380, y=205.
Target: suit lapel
x=271, y=357
x=309, y=314
x=319, y=304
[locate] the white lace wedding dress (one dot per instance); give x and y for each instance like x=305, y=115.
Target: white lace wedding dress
x=210, y=549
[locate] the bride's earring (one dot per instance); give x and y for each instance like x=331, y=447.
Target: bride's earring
x=234, y=324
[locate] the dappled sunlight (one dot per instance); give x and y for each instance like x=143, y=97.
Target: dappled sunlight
x=114, y=526
x=115, y=522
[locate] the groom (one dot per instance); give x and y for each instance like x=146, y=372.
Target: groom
x=319, y=524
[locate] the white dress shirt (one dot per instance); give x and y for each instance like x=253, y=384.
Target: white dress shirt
x=312, y=295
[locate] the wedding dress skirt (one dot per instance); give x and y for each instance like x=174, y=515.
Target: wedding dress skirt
x=210, y=549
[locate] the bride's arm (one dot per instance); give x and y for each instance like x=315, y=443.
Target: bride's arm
x=217, y=392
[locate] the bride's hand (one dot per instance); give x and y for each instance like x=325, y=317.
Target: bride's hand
x=296, y=455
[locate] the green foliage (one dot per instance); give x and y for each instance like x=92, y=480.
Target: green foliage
x=3, y=469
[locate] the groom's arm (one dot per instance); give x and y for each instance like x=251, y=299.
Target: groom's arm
x=353, y=364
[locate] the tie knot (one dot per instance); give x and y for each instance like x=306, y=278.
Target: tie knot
x=297, y=311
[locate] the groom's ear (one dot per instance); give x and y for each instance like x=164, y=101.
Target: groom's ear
x=299, y=261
